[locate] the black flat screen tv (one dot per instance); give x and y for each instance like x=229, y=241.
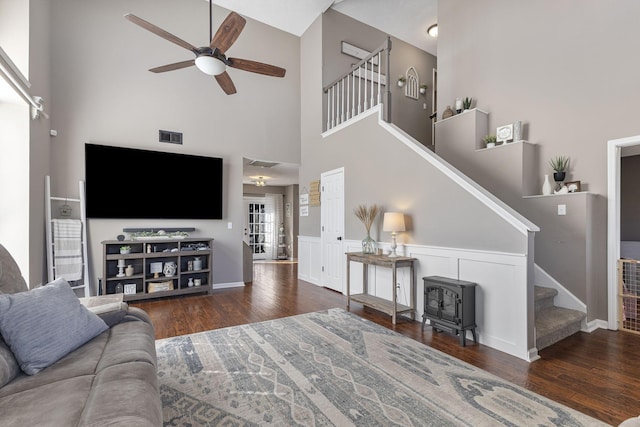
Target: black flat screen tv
x=129, y=183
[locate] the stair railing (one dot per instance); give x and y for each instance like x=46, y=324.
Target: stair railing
x=362, y=88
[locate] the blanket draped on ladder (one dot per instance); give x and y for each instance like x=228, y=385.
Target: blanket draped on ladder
x=67, y=248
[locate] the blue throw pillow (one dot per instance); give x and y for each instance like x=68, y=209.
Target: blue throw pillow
x=44, y=324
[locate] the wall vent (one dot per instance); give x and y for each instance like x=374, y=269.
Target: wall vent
x=262, y=164
x=170, y=137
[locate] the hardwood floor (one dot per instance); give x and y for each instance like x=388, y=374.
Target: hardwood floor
x=597, y=374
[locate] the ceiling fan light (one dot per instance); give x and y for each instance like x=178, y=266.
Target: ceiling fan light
x=433, y=30
x=210, y=65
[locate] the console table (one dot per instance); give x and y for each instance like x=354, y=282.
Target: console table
x=389, y=307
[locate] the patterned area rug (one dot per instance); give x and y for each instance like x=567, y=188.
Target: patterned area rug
x=333, y=368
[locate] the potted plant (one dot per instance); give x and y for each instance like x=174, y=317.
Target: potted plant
x=367, y=215
x=401, y=80
x=423, y=89
x=490, y=141
x=559, y=164
x=125, y=249
x=466, y=103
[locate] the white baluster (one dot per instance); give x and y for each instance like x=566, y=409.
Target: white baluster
x=333, y=118
x=328, y=108
x=379, y=76
x=353, y=93
x=347, y=105
x=342, y=100
x=359, y=90
x=372, y=83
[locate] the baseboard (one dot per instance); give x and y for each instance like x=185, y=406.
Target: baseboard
x=596, y=324
x=228, y=285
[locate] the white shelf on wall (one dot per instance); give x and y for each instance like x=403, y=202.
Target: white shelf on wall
x=458, y=115
x=556, y=195
x=505, y=144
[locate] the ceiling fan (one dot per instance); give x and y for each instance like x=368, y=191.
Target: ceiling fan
x=211, y=59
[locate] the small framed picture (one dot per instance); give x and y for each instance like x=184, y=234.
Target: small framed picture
x=129, y=288
x=573, y=186
x=504, y=133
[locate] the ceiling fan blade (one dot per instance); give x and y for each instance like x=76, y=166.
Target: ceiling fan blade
x=174, y=66
x=228, y=32
x=160, y=32
x=257, y=67
x=224, y=80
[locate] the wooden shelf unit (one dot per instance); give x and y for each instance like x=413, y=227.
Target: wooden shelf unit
x=180, y=251
x=392, y=308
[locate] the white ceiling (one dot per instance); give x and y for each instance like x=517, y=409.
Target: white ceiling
x=406, y=20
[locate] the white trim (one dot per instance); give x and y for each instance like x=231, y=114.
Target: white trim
x=502, y=278
x=354, y=119
x=614, y=148
x=564, y=298
x=595, y=324
x=12, y=75
x=227, y=285
x=500, y=208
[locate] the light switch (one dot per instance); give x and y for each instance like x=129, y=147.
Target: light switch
x=229, y=225
x=562, y=209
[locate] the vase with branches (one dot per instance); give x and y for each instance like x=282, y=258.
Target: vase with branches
x=367, y=214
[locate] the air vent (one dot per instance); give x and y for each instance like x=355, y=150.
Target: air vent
x=170, y=137
x=261, y=164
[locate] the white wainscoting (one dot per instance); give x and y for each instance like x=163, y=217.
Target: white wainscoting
x=501, y=296
x=309, y=259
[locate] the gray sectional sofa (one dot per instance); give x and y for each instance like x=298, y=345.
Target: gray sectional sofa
x=110, y=380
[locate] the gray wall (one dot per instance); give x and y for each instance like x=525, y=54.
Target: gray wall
x=40, y=146
x=407, y=113
x=103, y=93
x=379, y=169
x=565, y=70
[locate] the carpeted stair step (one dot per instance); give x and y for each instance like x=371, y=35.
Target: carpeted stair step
x=544, y=297
x=556, y=323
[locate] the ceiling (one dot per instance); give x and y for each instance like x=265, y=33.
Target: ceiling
x=406, y=20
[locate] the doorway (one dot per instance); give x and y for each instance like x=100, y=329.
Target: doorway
x=332, y=228
x=255, y=226
x=615, y=150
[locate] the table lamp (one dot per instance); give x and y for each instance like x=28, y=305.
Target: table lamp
x=393, y=222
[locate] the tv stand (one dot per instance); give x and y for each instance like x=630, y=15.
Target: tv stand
x=142, y=284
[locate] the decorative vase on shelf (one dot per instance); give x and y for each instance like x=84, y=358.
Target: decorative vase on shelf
x=368, y=245
x=517, y=131
x=170, y=268
x=448, y=112
x=458, y=105
x=128, y=271
x=546, y=187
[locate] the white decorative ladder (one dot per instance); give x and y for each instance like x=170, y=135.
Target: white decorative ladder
x=80, y=201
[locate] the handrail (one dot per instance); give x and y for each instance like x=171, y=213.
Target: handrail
x=360, y=89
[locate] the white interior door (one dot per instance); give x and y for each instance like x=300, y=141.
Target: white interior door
x=332, y=228
x=255, y=226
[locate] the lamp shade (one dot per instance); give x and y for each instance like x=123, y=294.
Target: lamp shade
x=393, y=221
x=210, y=65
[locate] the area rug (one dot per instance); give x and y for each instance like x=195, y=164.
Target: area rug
x=333, y=368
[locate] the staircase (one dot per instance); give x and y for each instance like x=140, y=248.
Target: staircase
x=553, y=323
